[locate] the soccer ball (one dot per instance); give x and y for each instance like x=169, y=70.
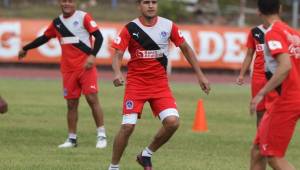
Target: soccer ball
x=3, y=106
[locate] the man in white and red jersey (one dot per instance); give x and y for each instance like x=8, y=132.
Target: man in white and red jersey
x=74, y=30
x=147, y=39
x=255, y=44
x=283, y=65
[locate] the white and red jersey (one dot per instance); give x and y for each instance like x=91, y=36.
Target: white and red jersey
x=256, y=41
x=280, y=38
x=74, y=35
x=148, y=47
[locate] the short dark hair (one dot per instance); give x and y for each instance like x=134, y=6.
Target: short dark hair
x=268, y=7
x=138, y=1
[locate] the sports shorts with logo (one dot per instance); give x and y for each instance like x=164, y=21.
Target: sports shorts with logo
x=277, y=127
x=135, y=104
x=82, y=81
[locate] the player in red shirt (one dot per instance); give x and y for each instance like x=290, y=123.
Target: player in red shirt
x=3, y=106
x=255, y=44
x=74, y=30
x=147, y=40
x=283, y=65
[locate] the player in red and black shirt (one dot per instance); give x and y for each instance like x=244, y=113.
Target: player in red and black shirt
x=283, y=66
x=147, y=39
x=255, y=45
x=74, y=30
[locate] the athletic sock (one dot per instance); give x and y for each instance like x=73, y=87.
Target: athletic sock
x=72, y=136
x=101, y=131
x=113, y=167
x=147, y=152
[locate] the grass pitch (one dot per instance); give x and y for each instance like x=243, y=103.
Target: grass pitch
x=36, y=124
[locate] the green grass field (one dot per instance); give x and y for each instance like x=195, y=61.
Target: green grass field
x=36, y=124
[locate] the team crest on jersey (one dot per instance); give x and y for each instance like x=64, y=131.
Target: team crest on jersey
x=163, y=34
x=75, y=23
x=129, y=104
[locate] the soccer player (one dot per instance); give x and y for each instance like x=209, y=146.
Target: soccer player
x=283, y=64
x=3, y=106
x=147, y=39
x=74, y=30
x=255, y=44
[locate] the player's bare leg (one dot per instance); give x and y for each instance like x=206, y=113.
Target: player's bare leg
x=121, y=141
x=257, y=161
x=95, y=106
x=97, y=112
x=170, y=125
x=259, y=115
x=72, y=118
x=280, y=164
x=72, y=115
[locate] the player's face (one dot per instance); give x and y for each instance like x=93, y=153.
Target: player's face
x=148, y=8
x=68, y=6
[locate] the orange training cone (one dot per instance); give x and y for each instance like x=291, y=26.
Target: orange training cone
x=200, y=120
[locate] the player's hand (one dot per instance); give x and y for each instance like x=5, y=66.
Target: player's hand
x=254, y=102
x=118, y=80
x=204, y=84
x=240, y=80
x=22, y=54
x=89, y=62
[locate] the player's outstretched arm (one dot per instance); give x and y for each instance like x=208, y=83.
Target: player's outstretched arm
x=245, y=66
x=283, y=68
x=190, y=55
x=34, y=44
x=116, y=65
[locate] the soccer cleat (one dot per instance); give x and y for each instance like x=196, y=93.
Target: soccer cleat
x=144, y=162
x=101, y=142
x=69, y=143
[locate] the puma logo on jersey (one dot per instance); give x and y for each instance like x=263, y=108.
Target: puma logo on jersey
x=58, y=25
x=136, y=35
x=257, y=35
